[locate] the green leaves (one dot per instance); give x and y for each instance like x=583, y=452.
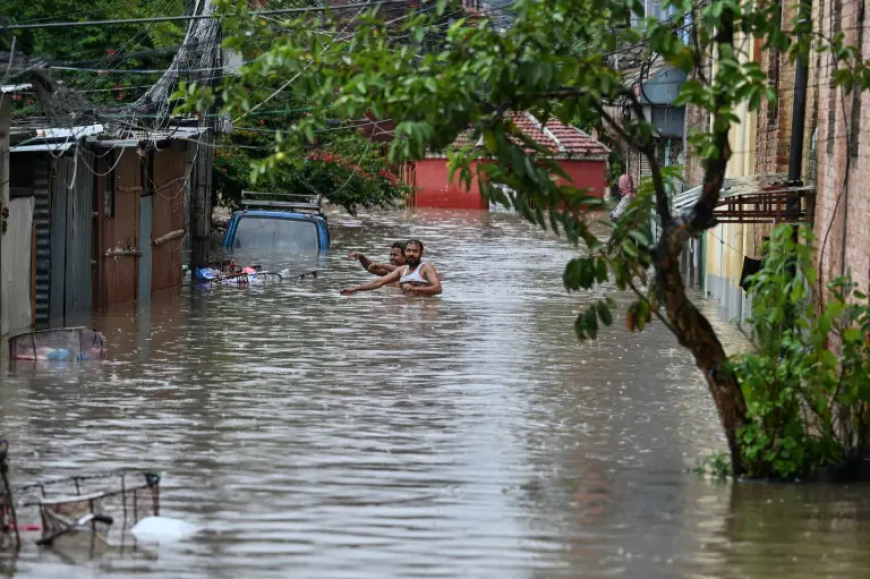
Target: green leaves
x=802, y=376
x=638, y=316
x=345, y=168
x=828, y=358
x=853, y=335
x=580, y=273
x=604, y=313
x=584, y=272
x=586, y=324
x=100, y=46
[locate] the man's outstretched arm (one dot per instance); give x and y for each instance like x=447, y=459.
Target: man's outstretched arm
x=374, y=284
x=365, y=262
x=382, y=268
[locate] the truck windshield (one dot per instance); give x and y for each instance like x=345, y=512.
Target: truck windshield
x=270, y=233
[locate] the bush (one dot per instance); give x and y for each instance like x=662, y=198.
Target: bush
x=807, y=386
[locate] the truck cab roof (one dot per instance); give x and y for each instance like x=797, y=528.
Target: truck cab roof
x=279, y=221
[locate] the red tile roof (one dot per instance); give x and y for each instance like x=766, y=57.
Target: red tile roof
x=563, y=140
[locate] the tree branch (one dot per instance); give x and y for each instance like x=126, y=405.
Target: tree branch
x=647, y=147
x=701, y=214
x=699, y=53
x=654, y=310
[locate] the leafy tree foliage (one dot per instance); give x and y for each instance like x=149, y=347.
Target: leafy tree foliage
x=348, y=170
x=96, y=47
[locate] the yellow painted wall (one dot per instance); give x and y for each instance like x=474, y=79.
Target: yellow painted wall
x=726, y=259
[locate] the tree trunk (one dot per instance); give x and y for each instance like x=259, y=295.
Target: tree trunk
x=692, y=329
x=694, y=332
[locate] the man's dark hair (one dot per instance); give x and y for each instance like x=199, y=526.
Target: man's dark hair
x=416, y=242
x=400, y=245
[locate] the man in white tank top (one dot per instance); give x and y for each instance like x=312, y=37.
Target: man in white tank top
x=414, y=278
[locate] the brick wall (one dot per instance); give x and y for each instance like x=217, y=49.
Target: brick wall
x=775, y=119
x=843, y=155
x=696, y=119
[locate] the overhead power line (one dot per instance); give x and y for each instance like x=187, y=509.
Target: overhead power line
x=189, y=17
x=133, y=70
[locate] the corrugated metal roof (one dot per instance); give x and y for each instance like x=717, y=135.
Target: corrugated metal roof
x=756, y=199
x=730, y=188
x=71, y=132
x=67, y=137
x=135, y=137
x=53, y=147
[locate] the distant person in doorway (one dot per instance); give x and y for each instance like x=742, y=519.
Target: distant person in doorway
x=397, y=259
x=628, y=192
x=416, y=277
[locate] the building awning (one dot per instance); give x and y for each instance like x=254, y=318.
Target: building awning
x=62, y=139
x=661, y=88
x=133, y=138
x=70, y=133
x=13, y=88
x=756, y=199
x=52, y=147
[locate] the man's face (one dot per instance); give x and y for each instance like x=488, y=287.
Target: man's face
x=413, y=253
x=396, y=257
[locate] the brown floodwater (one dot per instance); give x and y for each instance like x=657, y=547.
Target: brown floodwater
x=469, y=435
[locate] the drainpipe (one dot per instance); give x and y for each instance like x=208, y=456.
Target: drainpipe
x=850, y=140
x=795, y=157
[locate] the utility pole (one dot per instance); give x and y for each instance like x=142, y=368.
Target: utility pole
x=5, y=250
x=200, y=202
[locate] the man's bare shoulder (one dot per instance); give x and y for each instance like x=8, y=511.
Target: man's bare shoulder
x=430, y=267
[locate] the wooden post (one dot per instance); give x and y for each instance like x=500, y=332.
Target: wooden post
x=200, y=204
x=5, y=257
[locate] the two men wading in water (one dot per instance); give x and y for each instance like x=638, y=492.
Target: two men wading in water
x=397, y=259
x=415, y=277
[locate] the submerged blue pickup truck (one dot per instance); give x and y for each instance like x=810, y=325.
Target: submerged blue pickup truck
x=278, y=221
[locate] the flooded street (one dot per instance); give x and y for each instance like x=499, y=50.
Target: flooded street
x=469, y=435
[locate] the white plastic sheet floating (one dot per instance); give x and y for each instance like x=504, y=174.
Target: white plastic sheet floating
x=163, y=530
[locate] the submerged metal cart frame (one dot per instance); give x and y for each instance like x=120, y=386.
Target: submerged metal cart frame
x=81, y=502
x=8, y=520
x=80, y=343
x=98, y=503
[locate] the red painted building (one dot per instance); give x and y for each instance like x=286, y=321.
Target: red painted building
x=583, y=158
